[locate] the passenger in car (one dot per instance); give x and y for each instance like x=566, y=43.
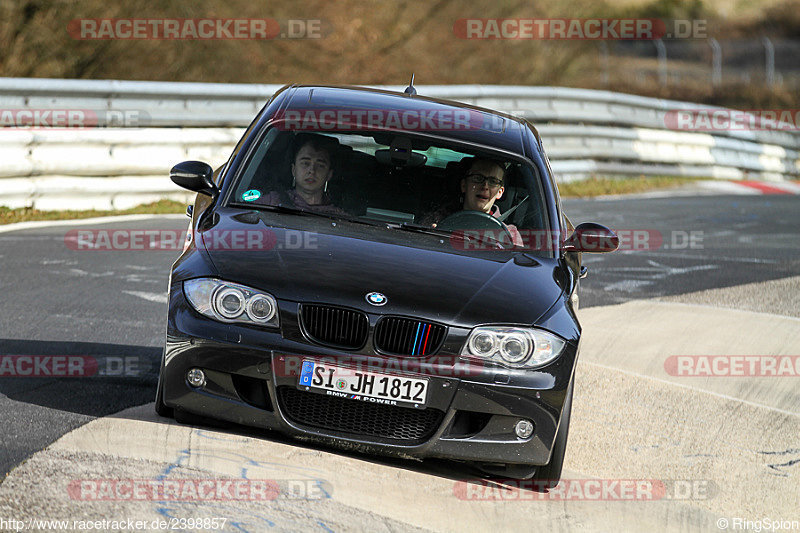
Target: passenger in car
x=482, y=185
x=312, y=169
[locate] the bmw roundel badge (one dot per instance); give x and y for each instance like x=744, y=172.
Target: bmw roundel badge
x=376, y=298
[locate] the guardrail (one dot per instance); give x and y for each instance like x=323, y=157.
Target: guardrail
x=139, y=129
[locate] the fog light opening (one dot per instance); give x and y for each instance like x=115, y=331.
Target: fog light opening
x=196, y=377
x=524, y=429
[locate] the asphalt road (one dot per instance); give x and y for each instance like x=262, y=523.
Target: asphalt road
x=685, y=244
x=63, y=302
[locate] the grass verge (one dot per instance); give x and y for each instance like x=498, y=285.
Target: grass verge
x=162, y=207
x=596, y=186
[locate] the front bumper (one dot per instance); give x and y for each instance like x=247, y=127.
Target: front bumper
x=252, y=375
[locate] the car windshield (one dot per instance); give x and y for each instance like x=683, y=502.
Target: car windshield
x=400, y=182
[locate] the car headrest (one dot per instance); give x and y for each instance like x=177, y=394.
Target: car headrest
x=454, y=173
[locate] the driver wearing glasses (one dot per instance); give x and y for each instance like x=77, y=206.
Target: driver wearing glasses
x=481, y=187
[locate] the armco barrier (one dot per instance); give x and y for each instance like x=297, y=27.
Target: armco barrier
x=143, y=128
x=69, y=192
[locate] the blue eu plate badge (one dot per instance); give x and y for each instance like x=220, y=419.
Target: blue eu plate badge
x=306, y=372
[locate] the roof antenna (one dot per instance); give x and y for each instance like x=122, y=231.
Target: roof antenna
x=410, y=90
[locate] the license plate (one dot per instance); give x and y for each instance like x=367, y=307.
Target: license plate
x=372, y=387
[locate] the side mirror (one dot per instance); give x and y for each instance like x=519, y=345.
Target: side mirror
x=591, y=237
x=195, y=176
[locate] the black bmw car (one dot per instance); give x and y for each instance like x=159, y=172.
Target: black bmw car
x=382, y=269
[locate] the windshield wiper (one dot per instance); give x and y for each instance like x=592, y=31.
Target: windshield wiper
x=461, y=235
x=407, y=226
x=302, y=212
x=293, y=210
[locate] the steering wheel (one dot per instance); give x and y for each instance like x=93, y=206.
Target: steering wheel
x=476, y=220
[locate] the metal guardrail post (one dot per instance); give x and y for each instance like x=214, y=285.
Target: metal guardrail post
x=662, y=61
x=604, y=61
x=716, y=62
x=769, y=60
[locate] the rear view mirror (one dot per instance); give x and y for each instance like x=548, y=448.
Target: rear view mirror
x=399, y=158
x=592, y=237
x=195, y=176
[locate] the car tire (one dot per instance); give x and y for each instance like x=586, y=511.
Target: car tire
x=161, y=407
x=550, y=474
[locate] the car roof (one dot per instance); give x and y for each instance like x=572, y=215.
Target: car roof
x=485, y=126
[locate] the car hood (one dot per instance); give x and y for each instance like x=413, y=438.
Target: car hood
x=421, y=275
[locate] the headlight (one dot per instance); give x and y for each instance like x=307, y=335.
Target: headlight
x=231, y=302
x=515, y=347
x=260, y=308
x=228, y=302
x=483, y=344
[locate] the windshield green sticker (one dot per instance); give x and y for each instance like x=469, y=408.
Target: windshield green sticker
x=251, y=195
